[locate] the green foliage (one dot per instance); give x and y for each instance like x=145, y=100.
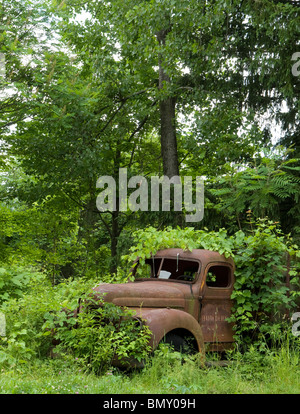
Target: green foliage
x=148, y=241
x=101, y=333
x=270, y=188
x=89, y=103
x=16, y=280
x=22, y=26
x=262, y=294
x=48, y=236
x=24, y=320
x=94, y=338
x=276, y=371
x=80, y=99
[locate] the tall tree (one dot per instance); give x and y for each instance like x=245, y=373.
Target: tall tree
x=192, y=58
x=80, y=128
x=198, y=74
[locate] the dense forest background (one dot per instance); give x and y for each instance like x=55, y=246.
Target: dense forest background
x=193, y=88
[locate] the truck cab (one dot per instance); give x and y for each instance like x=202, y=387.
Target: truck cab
x=180, y=294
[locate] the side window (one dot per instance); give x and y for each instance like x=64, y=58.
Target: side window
x=218, y=277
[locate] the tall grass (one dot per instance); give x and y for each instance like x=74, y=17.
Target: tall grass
x=273, y=370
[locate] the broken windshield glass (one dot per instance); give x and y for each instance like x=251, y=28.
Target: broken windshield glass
x=168, y=269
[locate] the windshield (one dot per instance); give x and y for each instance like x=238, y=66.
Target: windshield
x=168, y=269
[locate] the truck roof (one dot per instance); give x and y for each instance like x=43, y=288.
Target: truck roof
x=204, y=256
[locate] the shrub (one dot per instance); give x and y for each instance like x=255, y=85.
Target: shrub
x=95, y=337
x=101, y=333
x=25, y=318
x=266, y=290
x=16, y=280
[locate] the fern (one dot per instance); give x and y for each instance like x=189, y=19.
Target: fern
x=263, y=189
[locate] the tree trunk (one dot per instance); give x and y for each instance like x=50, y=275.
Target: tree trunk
x=168, y=137
x=115, y=227
x=87, y=219
x=167, y=120
x=114, y=241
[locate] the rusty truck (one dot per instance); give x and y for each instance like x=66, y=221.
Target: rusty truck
x=183, y=296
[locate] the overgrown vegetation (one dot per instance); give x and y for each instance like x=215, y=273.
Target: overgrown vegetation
x=271, y=371
x=42, y=317
x=267, y=271
x=161, y=87
x=263, y=301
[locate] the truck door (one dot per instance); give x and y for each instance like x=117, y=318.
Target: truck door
x=216, y=306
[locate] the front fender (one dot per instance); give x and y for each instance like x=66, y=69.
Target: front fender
x=164, y=320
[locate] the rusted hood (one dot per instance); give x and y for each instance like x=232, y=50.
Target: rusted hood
x=152, y=294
